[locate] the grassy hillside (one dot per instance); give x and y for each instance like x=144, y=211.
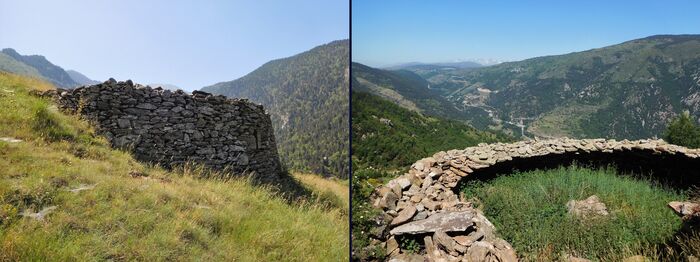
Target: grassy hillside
x=329, y=190
x=307, y=98
x=629, y=90
x=130, y=211
x=9, y=64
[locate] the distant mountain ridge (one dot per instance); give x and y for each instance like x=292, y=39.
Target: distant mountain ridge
x=39, y=67
x=307, y=96
x=629, y=90
x=55, y=74
x=80, y=78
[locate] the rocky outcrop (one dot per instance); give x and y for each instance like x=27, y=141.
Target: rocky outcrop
x=453, y=230
x=171, y=128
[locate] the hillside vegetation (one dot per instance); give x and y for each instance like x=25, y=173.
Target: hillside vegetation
x=625, y=91
x=307, y=98
x=389, y=136
x=101, y=204
x=411, y=91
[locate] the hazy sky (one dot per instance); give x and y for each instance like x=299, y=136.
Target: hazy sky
x=187, y=43
x=391, y=31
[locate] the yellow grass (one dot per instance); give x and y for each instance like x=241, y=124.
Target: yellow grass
x=159, y=216
x=339, y=188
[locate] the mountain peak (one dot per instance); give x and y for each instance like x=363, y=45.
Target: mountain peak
x=42, y=68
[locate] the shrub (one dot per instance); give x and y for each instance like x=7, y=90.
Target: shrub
x=683, y=131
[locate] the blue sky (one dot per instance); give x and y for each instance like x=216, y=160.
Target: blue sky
x=392, y=31
x=187, y=43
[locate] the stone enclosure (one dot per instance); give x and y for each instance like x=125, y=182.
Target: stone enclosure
x=425, y=203
x=171, y=128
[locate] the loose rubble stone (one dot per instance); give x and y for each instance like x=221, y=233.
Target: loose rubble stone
x=571, y=258
x=637, y=258
x=388, y=201
x=10, y=140
x=588, y=207
x=391, y=245
x=405, y=214
x=407, y=258
x=447, y=243
x=687, y=210
x=39, y=215
x=82, y=187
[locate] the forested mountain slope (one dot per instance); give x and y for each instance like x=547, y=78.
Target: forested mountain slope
x=307, y=98
x=629, y=90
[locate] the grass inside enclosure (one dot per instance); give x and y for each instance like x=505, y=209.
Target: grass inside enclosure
x=529, y=210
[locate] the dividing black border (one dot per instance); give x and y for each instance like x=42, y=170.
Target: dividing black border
x=350, y=257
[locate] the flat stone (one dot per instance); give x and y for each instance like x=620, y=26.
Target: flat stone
x=405, y=215
x=430, y=205
x=447, y=243
x=403, y=182
x=148, y=106
x=406, y=257
x=571, y=258
x=430, y=249
x=39, y=215
x=417, y=197
x=637, y=258
x=391, y=245
x=123, y=123
x=468, y=240
x=421, y=215
x=388, y=201
x=396, y=188
x=420, y=207
x=481, y=251
x=10, y=140
x=685, y=209
x=446, y=222
x=419, y=166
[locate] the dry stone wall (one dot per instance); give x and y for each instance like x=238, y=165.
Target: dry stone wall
x=172, y=127
x=425, y=204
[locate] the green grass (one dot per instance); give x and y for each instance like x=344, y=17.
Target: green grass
x=160, y=215
x=529, y=210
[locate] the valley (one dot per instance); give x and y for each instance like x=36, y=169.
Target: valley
x=629, y=90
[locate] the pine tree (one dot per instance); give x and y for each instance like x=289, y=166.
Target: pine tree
x=683, y=131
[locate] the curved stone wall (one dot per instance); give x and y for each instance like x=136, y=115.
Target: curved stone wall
x=429, y=187
x=172, y=127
